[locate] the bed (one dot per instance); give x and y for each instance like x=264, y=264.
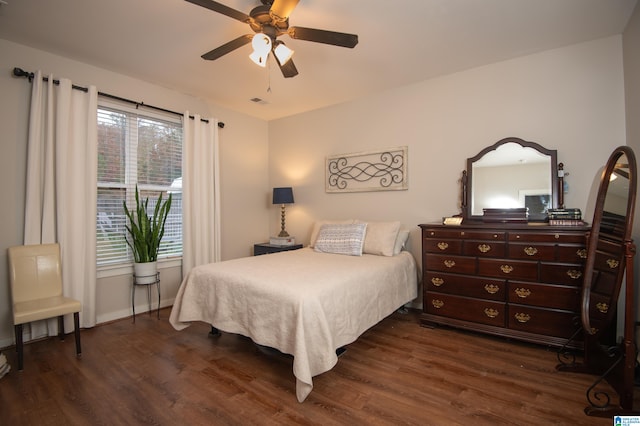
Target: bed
x=307, y=303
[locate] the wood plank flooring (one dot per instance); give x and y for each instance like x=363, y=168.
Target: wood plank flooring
x=396, y=373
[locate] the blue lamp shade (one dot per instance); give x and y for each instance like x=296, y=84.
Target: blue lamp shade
x=283, y=195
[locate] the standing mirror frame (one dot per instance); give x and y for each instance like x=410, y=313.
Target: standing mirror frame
x=473, y=185
x=610, y=256
x=608, y=241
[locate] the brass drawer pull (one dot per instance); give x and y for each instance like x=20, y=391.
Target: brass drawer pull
x=613, y=264
x=522, y=317
x=582, y=253
x=602, y=307
x=573, y=274
x=436, y=281
x=443, y=246
x=523, y=292
x=507, y=269
x=484, y=248
x=491, y=288
x=491, y=313
x=530, y=251
x=449, y=263
x=437, y=303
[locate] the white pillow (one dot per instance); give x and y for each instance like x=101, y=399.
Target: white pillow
x=318, y=224
x=401, y=239
x=341, y=238
x=381, y=238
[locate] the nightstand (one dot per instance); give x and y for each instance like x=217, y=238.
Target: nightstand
x=266, y=248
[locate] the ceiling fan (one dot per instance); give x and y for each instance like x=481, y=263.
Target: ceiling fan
x=269, y=21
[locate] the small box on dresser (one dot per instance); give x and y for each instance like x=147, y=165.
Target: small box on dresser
x=514, y=280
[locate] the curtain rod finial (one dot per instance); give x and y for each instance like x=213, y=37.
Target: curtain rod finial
x=19, y=72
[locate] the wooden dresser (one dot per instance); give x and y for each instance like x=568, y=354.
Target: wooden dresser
x=514, y=280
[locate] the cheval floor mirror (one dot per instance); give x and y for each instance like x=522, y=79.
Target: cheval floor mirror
x=609, y=263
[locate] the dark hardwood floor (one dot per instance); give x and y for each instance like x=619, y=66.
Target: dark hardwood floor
x=396, y=373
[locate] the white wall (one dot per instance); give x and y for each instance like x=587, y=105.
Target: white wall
x=243, y=157
x=570, y=99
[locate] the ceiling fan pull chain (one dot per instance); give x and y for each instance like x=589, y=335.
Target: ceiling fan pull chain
x=269, y=73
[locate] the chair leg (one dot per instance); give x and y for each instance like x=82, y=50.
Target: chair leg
x=19, y=348
x=76, y=323
x=61, y=327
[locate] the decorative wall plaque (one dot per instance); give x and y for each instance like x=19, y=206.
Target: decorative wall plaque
x=384, y=170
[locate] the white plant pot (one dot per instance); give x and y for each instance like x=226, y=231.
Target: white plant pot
x=145, y=273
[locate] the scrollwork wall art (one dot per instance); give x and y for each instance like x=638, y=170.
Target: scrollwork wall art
x=384, y=170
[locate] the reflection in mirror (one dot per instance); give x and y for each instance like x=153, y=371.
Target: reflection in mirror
x=512, y=173
x=616, y=200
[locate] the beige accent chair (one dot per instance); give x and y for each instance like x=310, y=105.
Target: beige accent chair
x=36, y=291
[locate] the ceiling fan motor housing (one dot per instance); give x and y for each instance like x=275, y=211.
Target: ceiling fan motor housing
x=262, y=21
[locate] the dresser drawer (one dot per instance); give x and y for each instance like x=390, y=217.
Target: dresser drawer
x=607, y=262
x=572, y=254
x=603, y=282
x=457, y=233
x=561, y=273
x=543, y=321
x=532, y=251
x=509, y=269
x=547, y=237
x=455, y=264
x=467, y=309
x=484, y=248
x=442, y=245
x=445, y=233
x=482, y=288
x=544, y=295
x=600, y=306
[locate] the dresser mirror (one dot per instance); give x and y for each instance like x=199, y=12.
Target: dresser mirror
x=512, y=173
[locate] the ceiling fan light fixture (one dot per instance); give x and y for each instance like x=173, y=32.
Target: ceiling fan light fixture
x=259, y=58
x=261, y=43
x=282, y=52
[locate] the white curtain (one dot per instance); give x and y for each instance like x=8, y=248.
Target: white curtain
x=61, y=188
x=200, y=193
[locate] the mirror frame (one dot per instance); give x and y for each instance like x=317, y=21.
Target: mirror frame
x=467, y=176
x=627, y=250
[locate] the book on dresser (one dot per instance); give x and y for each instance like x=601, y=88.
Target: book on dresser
x=513, y=279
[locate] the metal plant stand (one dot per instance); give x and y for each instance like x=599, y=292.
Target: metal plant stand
x=136, y=282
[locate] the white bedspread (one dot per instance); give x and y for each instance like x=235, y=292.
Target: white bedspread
x=300, y=302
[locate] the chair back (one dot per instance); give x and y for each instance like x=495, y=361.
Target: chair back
x=35, y=272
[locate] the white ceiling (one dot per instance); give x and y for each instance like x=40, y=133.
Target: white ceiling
x=400, y=42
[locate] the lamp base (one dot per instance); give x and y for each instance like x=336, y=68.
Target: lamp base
x=282, y=241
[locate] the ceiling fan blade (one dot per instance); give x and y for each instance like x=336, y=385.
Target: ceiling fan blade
x=221, y=8
x=227, y=47
x=281, y=9
x=288, y=68
x=323, y=36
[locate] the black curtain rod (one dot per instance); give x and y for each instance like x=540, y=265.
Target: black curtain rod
x=19, y=72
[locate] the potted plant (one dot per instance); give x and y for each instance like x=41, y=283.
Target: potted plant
x=144, y=235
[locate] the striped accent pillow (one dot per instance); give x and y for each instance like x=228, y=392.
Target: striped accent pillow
x=341, y=239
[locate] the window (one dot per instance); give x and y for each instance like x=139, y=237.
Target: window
x=143, y=149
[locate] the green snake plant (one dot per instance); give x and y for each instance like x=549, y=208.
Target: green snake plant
x=145, y=231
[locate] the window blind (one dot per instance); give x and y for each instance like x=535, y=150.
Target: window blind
x=143, y=149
